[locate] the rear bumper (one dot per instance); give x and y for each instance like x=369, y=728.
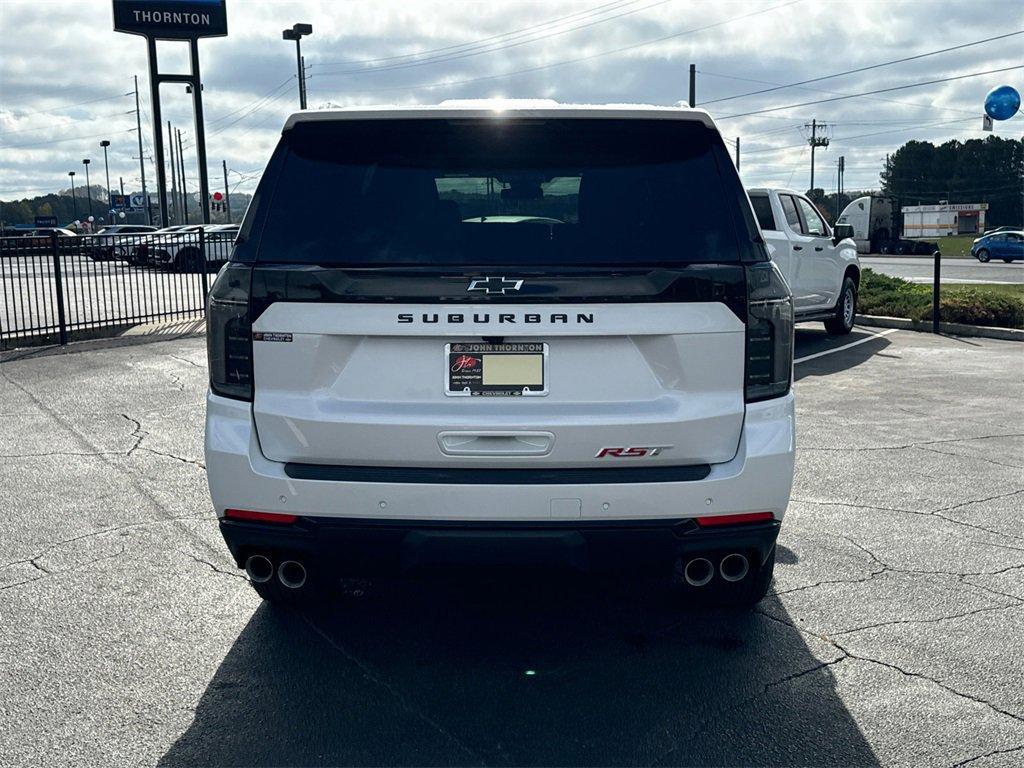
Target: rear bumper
x=344, y=547
x=373, y=525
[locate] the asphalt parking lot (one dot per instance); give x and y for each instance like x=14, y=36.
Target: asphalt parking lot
x=891, y=636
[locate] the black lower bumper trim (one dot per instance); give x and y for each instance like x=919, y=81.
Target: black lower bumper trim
x=474, y=476
x=353, y=547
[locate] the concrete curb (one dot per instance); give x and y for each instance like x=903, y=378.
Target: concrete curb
x=954, y=329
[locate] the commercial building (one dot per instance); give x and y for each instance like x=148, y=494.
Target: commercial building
x=944, y=219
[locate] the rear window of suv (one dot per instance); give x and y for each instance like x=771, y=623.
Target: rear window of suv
x=516, y=192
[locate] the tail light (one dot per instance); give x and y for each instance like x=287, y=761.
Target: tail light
x=769, y=333
x=229, y=333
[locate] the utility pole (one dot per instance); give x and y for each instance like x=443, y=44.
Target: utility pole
x=106, y=167
x=302, y=64
x=816, y=141
x=839, y=183
x=227, y=193
x=88, y=191
x=74, y=200
x=174, y=175
x=142, y=160
x=693, y=85
x=737, y=153
x=181, y=173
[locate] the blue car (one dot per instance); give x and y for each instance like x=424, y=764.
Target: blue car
x=999, y=245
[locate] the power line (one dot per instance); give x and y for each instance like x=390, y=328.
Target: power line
x=551, y=22
x=69, y=106
x=254, y=110
x=863, y=135
x=566, y=62
x=871, y=93
x=493, y=48
x=833, y=93
x=867, y=68
x=52, y=127
x=69, y=138
x=250, y=103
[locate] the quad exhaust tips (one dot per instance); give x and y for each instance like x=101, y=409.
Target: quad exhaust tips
x=259, y=569
x=734, y=567
x=698, y=572
x=291, y=574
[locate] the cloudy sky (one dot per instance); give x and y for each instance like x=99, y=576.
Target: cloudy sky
x=66, y=77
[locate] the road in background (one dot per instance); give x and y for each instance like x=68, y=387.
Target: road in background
x=891, y=634
x=920, y=269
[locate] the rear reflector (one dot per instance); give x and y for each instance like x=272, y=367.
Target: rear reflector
x=747, y=517
x=261, y=517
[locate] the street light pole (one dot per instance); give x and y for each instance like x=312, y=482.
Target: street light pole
x=88, y=192
x=296, y=33
x=106, y=167
x=74, y=200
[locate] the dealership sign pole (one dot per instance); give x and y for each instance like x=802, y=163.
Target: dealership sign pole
x=186, y=20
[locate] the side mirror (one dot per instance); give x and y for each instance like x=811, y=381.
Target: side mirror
x=841, y=232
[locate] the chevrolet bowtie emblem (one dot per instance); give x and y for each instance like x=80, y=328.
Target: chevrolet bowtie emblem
x=491, y=285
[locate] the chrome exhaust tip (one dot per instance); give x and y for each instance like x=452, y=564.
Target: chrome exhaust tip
x=734, y=567
x=292, y=574
x=698, y=572
x=259, y=569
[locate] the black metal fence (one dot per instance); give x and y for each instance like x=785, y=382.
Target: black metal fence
x=54, y=289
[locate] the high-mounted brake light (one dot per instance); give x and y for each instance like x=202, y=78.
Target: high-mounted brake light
x=259, y=517
x=740, y=519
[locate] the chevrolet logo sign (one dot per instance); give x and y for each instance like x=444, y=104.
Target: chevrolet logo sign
x=491, y=285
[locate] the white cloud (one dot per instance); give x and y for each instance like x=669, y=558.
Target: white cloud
x=56, y=54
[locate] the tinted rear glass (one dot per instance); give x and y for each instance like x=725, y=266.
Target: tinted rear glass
x=531, y=192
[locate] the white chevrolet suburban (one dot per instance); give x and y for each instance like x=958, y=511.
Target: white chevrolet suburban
x=501, y=333
x=820, y=264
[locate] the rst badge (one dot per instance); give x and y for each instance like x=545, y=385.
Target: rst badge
x=633, y=452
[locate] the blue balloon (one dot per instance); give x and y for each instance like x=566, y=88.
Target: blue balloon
x=1002, y=103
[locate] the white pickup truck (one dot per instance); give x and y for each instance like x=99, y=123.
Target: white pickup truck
x=820, y=263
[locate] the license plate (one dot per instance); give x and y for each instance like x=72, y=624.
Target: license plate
x=496, y=370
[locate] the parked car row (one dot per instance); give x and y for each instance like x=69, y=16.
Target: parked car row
x=107, y=245
x=177, y=248
x=174, y=248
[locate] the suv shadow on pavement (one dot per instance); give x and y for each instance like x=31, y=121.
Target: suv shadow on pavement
x=810, y=341
x=518, y=671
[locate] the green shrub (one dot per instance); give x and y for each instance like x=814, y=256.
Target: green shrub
x=893, y=297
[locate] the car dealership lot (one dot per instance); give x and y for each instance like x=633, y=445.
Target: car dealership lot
x=891, y=636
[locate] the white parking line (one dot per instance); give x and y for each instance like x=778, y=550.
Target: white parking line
x=872, y=337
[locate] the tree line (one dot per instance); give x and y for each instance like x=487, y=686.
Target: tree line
x=989, y=170
x=67, y=209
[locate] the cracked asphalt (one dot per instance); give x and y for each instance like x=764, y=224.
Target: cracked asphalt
x=891, y=636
